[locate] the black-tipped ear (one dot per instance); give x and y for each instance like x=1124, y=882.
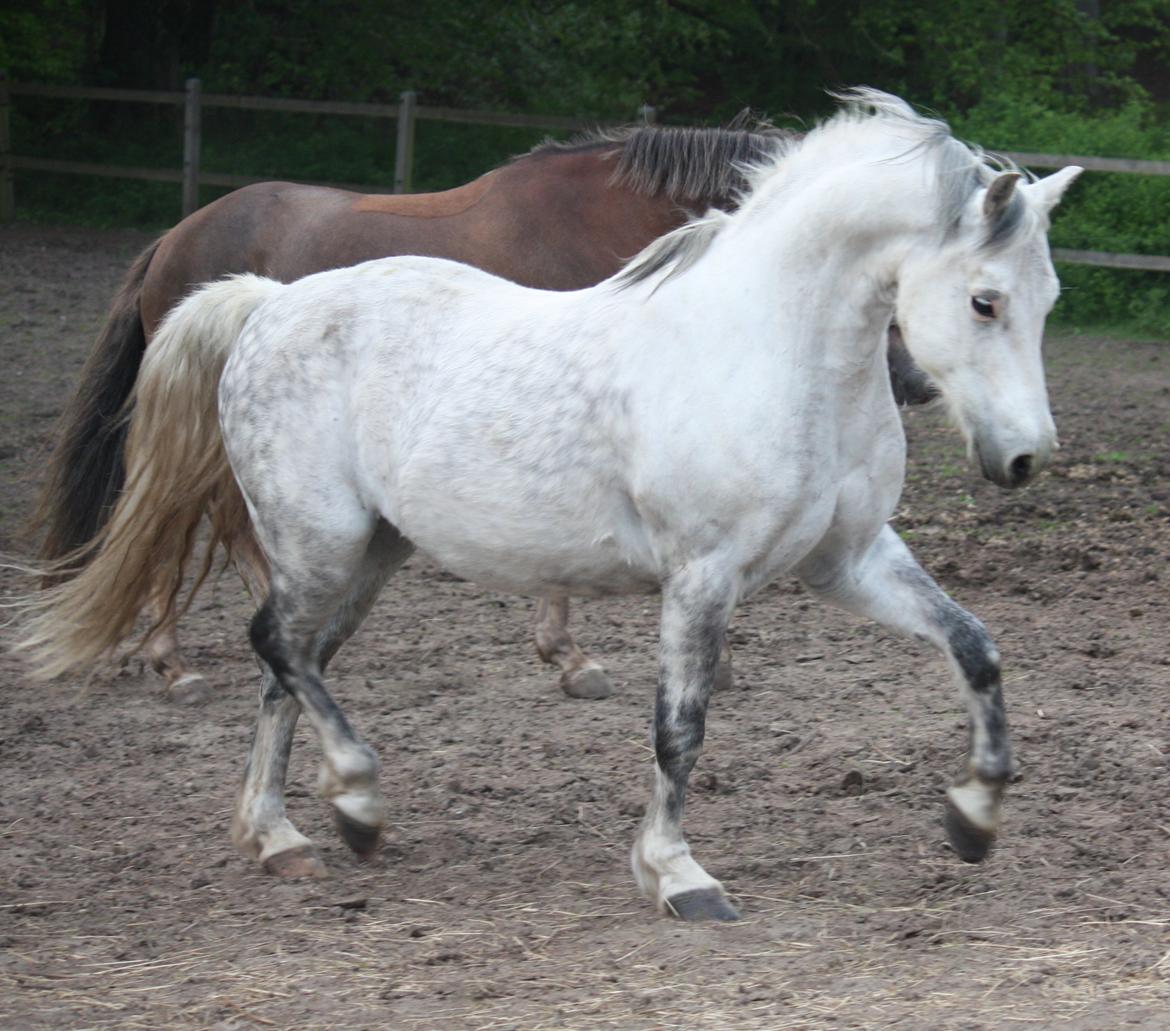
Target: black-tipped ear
x=999, y=193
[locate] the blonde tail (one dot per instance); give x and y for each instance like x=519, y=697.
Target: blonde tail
x=176, y=471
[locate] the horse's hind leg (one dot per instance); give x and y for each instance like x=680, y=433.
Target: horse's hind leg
x=260, y=827
x=581, y=677
x=887, y=585
x=180, y=684
x=314, y=605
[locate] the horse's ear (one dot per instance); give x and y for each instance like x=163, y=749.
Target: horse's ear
x=1050, y=189
x=999, y=193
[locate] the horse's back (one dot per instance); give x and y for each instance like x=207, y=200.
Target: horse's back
x=553, y=221
x=247, y=230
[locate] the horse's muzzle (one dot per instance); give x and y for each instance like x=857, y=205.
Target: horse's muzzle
x=1011, y=469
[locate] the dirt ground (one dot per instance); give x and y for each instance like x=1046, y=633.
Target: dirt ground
x=502, y=896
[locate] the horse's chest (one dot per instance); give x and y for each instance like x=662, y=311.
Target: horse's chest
x=840, y=484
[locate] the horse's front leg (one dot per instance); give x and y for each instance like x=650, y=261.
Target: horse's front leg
x=886, y=584
x=581, y=677
x=696, y=607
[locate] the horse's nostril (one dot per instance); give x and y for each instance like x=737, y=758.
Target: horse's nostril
x=1020, y=471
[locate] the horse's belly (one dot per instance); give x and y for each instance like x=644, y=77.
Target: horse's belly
x=580, y=538
x=532, y=561
x=578, y=575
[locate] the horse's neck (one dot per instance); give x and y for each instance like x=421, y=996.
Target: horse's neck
x=814, y=279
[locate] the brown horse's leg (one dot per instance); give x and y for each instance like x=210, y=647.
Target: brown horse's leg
x=724, y=678
x=181, y=684
x=581, y=677
x=162, y=652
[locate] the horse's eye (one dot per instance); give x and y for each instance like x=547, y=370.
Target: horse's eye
x=983, y=307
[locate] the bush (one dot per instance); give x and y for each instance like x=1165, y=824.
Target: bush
x=1125, y=213
x=1120, y=212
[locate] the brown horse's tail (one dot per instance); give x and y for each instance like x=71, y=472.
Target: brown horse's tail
x=85, y=469
x=176, y=470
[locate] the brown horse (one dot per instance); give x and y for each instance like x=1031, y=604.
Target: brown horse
x=562, y=217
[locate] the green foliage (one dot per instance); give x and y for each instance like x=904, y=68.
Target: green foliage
x=1061, y=76
x=43, y=40
x=599, y=59
x=1118, y=212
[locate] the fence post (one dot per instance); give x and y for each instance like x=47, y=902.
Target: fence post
x=404, y=150
x=647, y=113
x=7, y=201
x=192, y=111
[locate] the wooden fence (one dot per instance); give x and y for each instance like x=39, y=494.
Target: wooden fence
x=405, y=113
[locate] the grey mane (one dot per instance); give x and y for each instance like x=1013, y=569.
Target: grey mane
x=959, y=170
x=675, y=252
x=685, y=164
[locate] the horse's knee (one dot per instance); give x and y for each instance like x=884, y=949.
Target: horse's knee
x=267, y=641
x=974, y=651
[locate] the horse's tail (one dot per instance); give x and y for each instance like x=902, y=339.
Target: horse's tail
x=176, y=470
x=85, y=469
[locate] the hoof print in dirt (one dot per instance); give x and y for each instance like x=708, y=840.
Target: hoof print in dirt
x=702, y=904
x=970, y=842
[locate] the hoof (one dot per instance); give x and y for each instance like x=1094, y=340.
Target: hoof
x=360, y=837
x=970, y=841
x=589, y=683
x=702, y=904
x=296, y=863
x=724, y=677
x=189, y=689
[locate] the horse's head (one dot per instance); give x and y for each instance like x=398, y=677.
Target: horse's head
x=972, y=309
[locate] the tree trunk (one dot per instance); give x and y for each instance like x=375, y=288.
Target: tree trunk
x=153, y=44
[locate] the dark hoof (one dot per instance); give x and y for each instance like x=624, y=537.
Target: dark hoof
x=587, y=683
x=358, y=836
x=724, y=677
x=296, y=863
x=702, y=904
x=190, y=689
x=970, y=842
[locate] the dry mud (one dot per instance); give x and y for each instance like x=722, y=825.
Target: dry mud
x=502, y=897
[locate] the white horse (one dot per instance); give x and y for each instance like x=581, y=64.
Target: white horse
x=714, y=416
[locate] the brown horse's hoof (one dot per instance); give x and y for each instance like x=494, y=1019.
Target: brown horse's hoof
x=591, y=683
x=296, y=863
x=702, y=904
x=190, y=689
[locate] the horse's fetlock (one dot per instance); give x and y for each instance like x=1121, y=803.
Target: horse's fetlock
x=356, y=768
x=994, y=770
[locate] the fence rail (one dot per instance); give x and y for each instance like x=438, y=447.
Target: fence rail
x=405, y=113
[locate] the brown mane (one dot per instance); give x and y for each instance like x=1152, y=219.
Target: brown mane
x=686, y=164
